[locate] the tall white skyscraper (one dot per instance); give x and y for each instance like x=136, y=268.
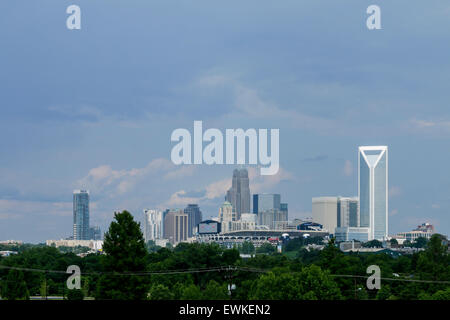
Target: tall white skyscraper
x=373, y=190
x=153, y=225
x=226, y=216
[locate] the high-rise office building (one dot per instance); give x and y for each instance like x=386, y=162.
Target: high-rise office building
x=95, y=233
x=194, y=218
x=248, y=221
x=284, y=209
x=325, y=212
x=373, y=190
x=176, y=226
x=332, y=212
x=265, y=202
x=239, y=193
x=267, y=218
x=226, y=216
x=81, y=215
x=153, y=225
x=271, y=212
x=348, y=213
x=282, y=218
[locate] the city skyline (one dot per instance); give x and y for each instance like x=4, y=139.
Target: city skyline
x=98, y=112
x=81, y=205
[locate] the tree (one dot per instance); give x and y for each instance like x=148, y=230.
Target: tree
x=230, y=256
x=294, y=244
x=215, y=291
x=420, y=242
x=318, y=284
x=435, y=249
x=441, y=295
x=394, y=242
x=330, y=256
x=384, y=293
x=247, y=248
x=15, y=287
x=266, y=248
x=361, y=293
x=373, y=244
x=43, y=290
x=85, y=288
x=407, y=243
x=125, y=252
x=75, y=294
x=309, y=284
x=160, y=292
x=192, y=292
x=151, y=246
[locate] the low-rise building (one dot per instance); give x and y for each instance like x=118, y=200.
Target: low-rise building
x=11, y=242
x=92, y=244
x=425, y=230
x=7, y=253
x=349, y=245
x=352, y=233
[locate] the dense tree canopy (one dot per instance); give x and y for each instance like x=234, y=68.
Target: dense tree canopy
x=14, y=287
x=301, y=274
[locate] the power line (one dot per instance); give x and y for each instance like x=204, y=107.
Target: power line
x=137, y=273
x=210, y=269
x=392, y=279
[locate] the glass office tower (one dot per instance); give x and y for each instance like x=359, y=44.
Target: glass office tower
x=373, y=190
x=239, y=193
x=81, y=215
x=194, y=218
x=265, y=202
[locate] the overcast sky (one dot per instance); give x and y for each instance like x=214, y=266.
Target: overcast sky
x=94, y=108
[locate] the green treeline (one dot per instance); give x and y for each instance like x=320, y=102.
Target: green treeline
x=300, y=274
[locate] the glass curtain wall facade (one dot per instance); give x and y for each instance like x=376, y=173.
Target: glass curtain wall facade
x=81, y=229
x=239, y=194
x=194, y=218
x=373, y=190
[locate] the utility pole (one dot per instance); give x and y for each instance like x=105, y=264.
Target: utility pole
x=229, y=276
x=45, y=285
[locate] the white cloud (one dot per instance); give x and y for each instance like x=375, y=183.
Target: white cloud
x=105, y=179
x=213, y=191
x=440, y=125
x=183, y=171
x=259, y=183
x=178, y=200
x=218, y=189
